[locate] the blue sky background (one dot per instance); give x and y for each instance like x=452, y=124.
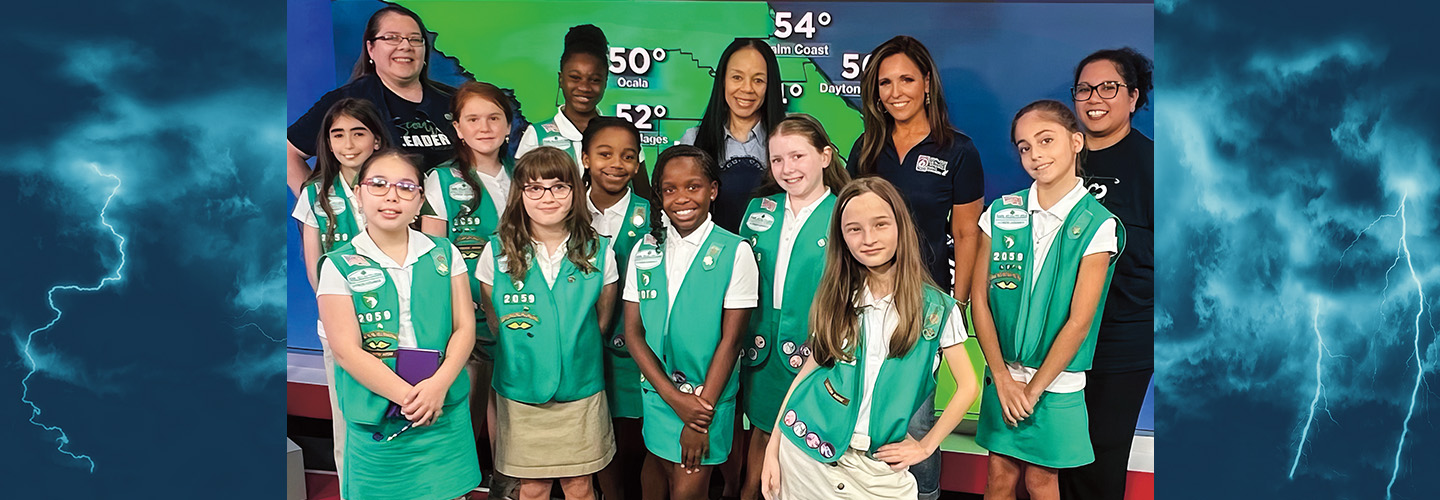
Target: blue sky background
x=160, y=378
x=1285, y=130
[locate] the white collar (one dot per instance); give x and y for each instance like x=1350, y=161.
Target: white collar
x=540, y=247
x=868, y=300
x=696, y=238
x=418, y=245
x=1062, y=208
x=790, y=207
x=567, y=129
x=618, y=208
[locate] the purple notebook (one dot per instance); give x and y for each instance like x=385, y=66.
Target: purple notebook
x=413, y=365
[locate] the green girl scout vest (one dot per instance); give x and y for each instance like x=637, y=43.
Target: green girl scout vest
x=1027, y=318
x=377, y=308
x=344, y=223
x=547, y=350
x=824, y=407
x=634, y=227
x=784, y=330
x=470, y=228
x=686, y=345
x=547, y=133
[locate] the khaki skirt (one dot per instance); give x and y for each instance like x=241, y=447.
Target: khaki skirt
x=853, y=476
x=553, y=440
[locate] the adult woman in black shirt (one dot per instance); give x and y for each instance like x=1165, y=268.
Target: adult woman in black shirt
x=392, y=73
x=1109, y=86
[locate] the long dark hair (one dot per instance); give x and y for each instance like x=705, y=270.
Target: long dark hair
x=464, y=156
x=878, y=124
x=364, y=66
x=707, y=165
x=800, y=124
x=1134, y=68
x=327, y=168
x=711, y=134
x=515, y=239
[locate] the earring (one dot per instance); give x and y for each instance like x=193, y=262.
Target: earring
x=927, y=98
x=372, y=61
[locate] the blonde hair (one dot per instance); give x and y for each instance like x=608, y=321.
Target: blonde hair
x=834, y=327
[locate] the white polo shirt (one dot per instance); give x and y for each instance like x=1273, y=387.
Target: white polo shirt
x=794, y=220
x=497, y=186
x=333, y=283
x=608, y=221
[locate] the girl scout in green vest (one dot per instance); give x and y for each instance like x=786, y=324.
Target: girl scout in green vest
x=786, y=225
x=548, y=283
x=466, y=197
x=611, y=155
x=1037, y=308
x=347, y=138
x=393, y=288
x=877, y=323
x=583, y=77
x=689, y=290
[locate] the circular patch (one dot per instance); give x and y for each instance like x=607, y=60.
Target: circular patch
x=365, y=279
x=796, y=362
x=678, y=377
x=760, y=222
x=805, y=350
x=460, y=191
x=1010, y=219
x=790, y=418
x=647, y=258
x=827, y=450
x=759, y=341
x=337, y=205
x=637, y=221
x=618, y=342
x=787, y=347
x=820, y=243
x=754, y=354
x=799, y=429
x=687, y=388
x=812, y=440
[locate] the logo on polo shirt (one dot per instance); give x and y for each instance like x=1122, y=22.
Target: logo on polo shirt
x=932, y=165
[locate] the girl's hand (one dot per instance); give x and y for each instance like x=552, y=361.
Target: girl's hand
x=903, y=454
x=694, y=411
x=1014, y=405
x=693, y=448
x=422, y=404
x=770, y=472
x=1033, y=392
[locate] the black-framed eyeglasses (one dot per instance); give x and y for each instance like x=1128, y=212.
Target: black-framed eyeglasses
x=536, y=191
x=393, y=39
x=380, y=186
x=1107, y=90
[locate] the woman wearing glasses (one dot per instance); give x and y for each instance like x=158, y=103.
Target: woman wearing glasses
x=1109, y=86
x=391, y=73
x=547, y=282
x=583, y=77
x=395, y=294
x=910, y=142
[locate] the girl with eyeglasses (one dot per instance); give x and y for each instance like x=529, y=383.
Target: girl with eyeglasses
x=689, y=291
x=1049, y=252
x=1110, y=85
x=547, y=281
x=394, y=289
x=583, y=77
x=332, y=219
x=392, y=73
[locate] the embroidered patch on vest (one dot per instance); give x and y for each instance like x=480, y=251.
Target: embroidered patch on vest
x=337, y=205
x=1010, y=219
x=647, y=258
x=767, y=204
x=799, y=429
x=760, y=221
x=638, y=219
x=380, y=343
x=441, y=266
x=932, y=322
x=1009, y=241
x=812, y=440
x=356, y=260
x=519, y=320
x=827, y=450
x=366, y=279
x=788, y=347
x=460, y=191
x=790, y=418
x=710, y=254
x=370, y=299
x=550, y=127
x=844, y=401
x=1011, y=199
x=759, y=341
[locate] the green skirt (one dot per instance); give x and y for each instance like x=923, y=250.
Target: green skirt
x=661, y=429
x=622, y=386
x=763, y=388
x=437, y=461
x=1057, y=433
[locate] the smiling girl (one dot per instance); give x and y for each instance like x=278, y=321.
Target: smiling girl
x=393, y=288
x=786, y=225
x=1050, y=253
x=583, y=78
x=548, y=283
x=689, y=290
x=879, y=327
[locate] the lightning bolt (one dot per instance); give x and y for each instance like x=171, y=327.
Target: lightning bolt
x=64, y=439
x=257, y=327
x=1419, y=363
x=1320, y=351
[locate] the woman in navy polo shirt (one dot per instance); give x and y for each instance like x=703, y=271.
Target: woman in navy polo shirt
x=392, y=74
x=908, y=140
